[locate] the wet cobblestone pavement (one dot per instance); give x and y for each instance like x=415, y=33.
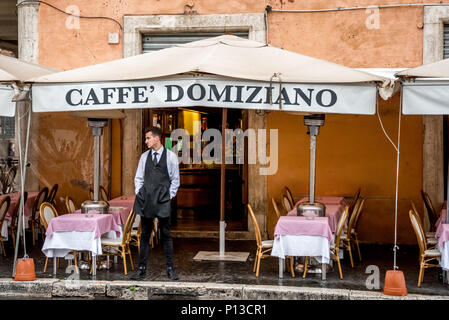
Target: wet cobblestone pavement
x=241, y=272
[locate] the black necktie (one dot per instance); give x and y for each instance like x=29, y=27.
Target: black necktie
x=154, y=158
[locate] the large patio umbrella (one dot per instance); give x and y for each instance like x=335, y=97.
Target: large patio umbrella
x=425, y=91
x=224, y=72
x=13, y=73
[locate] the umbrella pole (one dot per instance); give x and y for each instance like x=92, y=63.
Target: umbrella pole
x=22, y=166
x=223, y=181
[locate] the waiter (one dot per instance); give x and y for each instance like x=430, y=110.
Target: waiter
x=156, y=183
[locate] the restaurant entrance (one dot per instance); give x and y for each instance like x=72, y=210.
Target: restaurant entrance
x=197, y=204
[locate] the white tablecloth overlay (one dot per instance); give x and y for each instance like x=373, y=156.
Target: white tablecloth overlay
x=302, y=246
x=60, y=243
x=444, y=261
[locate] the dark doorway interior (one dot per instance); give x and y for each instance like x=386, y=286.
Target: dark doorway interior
x=197, y=204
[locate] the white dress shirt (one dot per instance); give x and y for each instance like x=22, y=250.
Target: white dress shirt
x=172, y=168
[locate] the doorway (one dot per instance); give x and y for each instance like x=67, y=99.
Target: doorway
x=197, y=204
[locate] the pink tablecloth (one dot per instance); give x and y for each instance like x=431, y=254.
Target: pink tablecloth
x=98, y=223
x=290, y=225
x=333, y=212
x=15, y=198
x=119, y=214
x=442, y=234
x=326, y=200
x=126, y=201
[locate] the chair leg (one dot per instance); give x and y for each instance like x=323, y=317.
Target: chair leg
x=421, y=273
x=358, y=247
x=32, y=233
x=292, y=268
x=138, y=246
x=305, y=267
x=259, y=257
x=45, y=266
x=130, y=258
x=3, y=247
x=339, y=265
x=124, y=261
x=350, y=254
x=13, y=240
x=255, y=260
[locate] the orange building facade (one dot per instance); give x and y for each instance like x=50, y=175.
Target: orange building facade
x=352, y=150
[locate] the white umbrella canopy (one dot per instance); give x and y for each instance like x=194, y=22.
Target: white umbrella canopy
x=13, y=71
x=425, y=89
x=239, y=73
x=227, y=55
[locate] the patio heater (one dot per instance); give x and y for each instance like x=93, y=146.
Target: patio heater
x=97, y=126
x=313, y=123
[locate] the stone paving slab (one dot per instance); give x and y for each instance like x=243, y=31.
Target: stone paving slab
x=157, y=290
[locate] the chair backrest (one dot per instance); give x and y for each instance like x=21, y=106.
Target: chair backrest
x=418, y=232
x=353, y=216
x=289, y=196
x=286, y=204
x=9, y=179
x=126, y=236
x=358, y=213
x=104, y=194
x=340, y=225
x=4, y=206
x=15, y=213
x=256, y=226
x=40, y=198
x=354, y=201
x=70, y=205
x=276, y=209
x=433, y=217
x=46, y=213
x=91, y=194
x=52, y=194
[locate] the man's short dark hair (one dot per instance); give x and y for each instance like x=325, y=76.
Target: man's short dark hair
x=155, y=131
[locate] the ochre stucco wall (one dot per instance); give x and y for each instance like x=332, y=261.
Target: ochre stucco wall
x=352, y=150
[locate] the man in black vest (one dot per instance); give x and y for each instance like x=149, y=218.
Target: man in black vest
x=156, y=183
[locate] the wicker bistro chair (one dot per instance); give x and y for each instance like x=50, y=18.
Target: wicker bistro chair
x=4, y=206
x=353, y=233
x=425, y=255
x=47, y=212
x=353, y=202
x=286, y=203
x=136, y=233
x=104, y=194
x=52, y=194
x=276, y=209
x=264, y=246
x=432, y=214
x=8, y=180
x=35, y=221
x=120, y=247
x=286, y=192
x=346, y=237
x=431, y=241
x=70, y=205
x=15, y=218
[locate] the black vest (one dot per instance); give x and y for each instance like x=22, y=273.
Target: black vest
x=153, y=198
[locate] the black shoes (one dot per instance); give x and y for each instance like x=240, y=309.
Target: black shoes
x=139, y=274
x=171, y=273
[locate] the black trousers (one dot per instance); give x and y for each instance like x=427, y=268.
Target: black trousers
x=167, y=242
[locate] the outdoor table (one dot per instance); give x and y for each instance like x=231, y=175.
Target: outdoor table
x=126, y=201
x=304, y=237
x=333, y=212
x=28, y=210
x=441, y=218
x=326, y=200
x=120, y=214
x=79, y=232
